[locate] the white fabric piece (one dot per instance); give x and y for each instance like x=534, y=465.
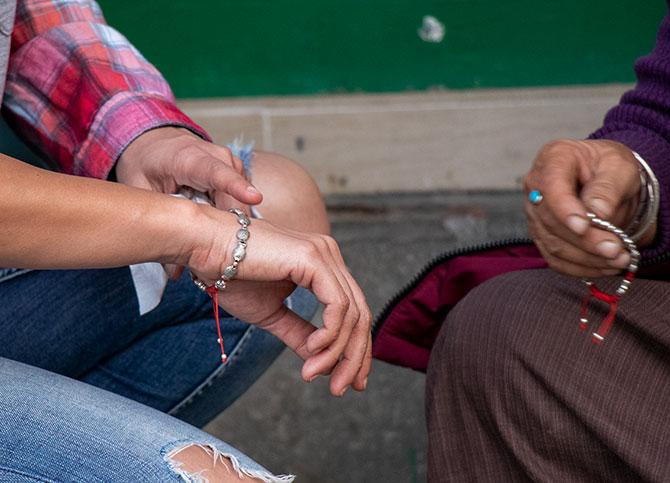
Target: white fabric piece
x=150, y=281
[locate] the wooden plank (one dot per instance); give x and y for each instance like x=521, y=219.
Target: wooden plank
x=472, y=140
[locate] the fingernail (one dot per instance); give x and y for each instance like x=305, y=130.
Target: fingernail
x=313, y=378
x=365, y=384
x=600, y=207
x=621, y=261
x=252, y=189
x=609, y=249
x=577, y=224
x=343, y=391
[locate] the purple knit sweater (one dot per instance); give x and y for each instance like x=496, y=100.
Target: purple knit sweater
x=641, y=121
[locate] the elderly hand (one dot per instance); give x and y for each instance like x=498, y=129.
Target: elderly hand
x=277, y=259
x=575, y=177
x=166, y=158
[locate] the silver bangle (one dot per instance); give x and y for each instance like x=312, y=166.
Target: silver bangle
x=642, y=203
x=239, y=252
x=649, y=198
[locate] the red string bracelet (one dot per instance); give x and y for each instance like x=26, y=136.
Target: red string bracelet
x=214, y=294
x=239, y=252
x=612, y=300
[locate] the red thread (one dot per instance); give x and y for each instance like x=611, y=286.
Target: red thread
x=583, y=320
x=605, y=297
x=214, y=295
x=605, y=327
x=611, y=299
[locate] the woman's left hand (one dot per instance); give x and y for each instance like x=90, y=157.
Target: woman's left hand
x=167, y=158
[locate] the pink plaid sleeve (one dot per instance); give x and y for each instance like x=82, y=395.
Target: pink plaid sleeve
x=78, y=91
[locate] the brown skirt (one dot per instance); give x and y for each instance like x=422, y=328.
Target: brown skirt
x=516, y=392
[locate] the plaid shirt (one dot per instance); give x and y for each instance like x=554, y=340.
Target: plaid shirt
x=78, y=90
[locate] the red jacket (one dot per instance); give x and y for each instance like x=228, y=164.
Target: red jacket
x=405, y=331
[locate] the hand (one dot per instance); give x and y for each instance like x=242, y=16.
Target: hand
x=575, y=177
x=166, y=158
x=277, y=260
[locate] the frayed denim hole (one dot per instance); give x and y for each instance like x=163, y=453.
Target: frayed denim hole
x=170, y=453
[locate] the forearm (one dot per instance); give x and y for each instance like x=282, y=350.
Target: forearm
x=52, y=220
x=108, y=96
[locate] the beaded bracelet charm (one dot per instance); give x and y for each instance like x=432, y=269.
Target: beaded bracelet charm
x=239, y=252
x=612, y=299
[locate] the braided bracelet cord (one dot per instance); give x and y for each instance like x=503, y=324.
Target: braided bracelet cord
x=612, y=299
x=239, y=253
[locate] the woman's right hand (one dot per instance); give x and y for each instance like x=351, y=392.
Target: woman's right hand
x=277, y=258
x=576, y=177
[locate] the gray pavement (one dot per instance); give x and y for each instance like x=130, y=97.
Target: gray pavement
x=377, y=436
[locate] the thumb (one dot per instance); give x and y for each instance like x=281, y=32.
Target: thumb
x=226, y=180
x=209, y=174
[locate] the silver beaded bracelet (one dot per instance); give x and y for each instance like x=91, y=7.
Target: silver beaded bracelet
x=239, y=252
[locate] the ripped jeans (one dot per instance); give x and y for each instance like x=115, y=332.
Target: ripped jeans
x=86, y=382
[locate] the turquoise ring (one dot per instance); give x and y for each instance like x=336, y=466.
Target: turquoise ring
x=535, y=197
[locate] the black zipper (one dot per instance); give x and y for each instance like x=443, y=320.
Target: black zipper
x=390, y=305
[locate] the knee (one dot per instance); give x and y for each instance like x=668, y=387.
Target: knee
x=489, y=330
x=291, y=198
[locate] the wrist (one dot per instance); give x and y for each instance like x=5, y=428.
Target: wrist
x=176, y=229
x=208, y=240
x=237, y=255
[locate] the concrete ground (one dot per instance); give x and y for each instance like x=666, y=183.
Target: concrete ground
x=379, y=435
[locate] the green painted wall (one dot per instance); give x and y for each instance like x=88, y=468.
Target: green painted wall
x=212, y=48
